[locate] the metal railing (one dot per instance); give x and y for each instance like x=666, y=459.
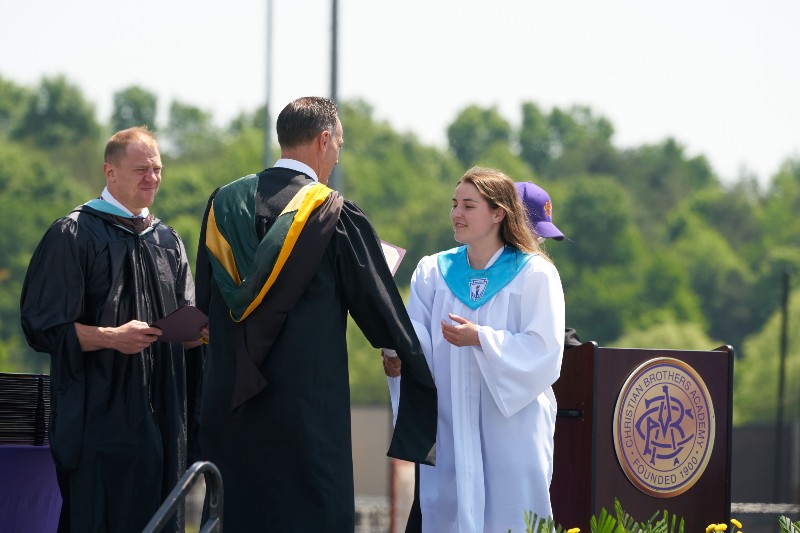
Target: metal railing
x=212, y=522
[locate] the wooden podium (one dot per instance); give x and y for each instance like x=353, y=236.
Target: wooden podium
x=651, y=428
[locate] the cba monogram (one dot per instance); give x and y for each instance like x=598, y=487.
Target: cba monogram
x=664, y=427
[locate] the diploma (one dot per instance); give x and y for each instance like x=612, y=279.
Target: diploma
x=181, y=325
x=393, y=254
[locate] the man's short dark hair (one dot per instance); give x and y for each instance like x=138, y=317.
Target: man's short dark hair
x=304, y=118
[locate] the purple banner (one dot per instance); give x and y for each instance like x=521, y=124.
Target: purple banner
x=29, y=495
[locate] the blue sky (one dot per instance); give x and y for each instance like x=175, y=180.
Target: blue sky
x=721, y=76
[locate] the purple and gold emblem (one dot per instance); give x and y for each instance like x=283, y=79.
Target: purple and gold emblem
x=664, y=427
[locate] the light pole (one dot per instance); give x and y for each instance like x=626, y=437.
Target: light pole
x=777, y=477
x=267, y=119
x=336, y=180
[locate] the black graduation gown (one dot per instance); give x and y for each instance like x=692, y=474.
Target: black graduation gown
x=118, y=426
x=286, y=456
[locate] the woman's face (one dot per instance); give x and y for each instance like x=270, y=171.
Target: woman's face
x=474, y=222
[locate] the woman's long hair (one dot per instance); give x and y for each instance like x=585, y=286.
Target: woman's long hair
x=499, y=192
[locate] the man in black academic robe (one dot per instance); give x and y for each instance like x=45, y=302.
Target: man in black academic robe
x=275, y=414
x=118, y=430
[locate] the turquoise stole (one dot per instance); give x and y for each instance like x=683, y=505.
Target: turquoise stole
x=476, y=287
x=122, y=217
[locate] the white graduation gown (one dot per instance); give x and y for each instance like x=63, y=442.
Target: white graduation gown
x=497, y=411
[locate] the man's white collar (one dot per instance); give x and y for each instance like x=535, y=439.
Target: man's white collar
x=299, y=166
x=108, y=197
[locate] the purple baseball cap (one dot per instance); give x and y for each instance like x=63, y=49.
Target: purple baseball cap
x=539, y=208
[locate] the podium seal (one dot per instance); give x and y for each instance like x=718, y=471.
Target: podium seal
x=664, y=427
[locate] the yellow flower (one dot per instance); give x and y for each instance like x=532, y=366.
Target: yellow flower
x=710, y=528
x=574, y=530
x=721, y=527
x=736, y=523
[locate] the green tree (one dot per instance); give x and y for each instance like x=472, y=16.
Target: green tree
x=33, y=193
x=241, y=153
x=733, y=212
x=777, y=247
x=661, y=177
x=57, y=114
x=723, y=284
x=658, y=253
x=191, y=133
x=580, y=143
x=501, y=157
x=187, y=183
x=756, y=376
x=599, y=220
x=778, y=219
x=601, y=263
x=599, y=302
x=474, y=131
x=134, y=106
x=768, y=289
x=667, y=295
x=13, y=99
x=669, y=335
x=368, y=385
x=536, y=147
x=403, y=187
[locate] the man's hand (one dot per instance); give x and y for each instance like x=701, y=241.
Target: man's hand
x=391, y=364
x=465, y=333
x=129, y=338
x=202, y=340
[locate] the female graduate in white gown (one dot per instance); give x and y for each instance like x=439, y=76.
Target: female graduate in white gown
x=490, y=317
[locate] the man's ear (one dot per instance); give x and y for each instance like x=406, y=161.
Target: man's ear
x=323, y=139
x=108, y=171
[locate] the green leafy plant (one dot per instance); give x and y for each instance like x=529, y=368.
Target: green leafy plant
x=624, y=523
x=621, y=522
x=534, y=524
x=787, y=526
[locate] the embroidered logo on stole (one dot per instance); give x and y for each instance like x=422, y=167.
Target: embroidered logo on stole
x=477, y=288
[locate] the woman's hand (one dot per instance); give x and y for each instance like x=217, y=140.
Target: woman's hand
x=465, y=333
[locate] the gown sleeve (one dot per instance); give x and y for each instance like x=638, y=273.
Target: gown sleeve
x=420, y=303
x=50, y=303
x=202, y=265
x=185, y=294
x=518, y=367
x=378, y=309
x=419, y=310
x=184, y=281
x=195, y=360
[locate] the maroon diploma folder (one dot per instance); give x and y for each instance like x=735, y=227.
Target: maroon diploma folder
x=181, y=325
